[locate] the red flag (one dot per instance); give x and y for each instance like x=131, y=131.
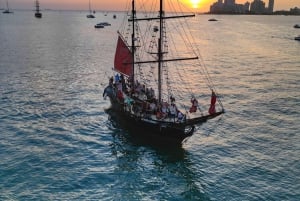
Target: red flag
x=123, y=58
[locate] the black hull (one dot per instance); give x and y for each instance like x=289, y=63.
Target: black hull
x=168, y=130
x=38, y=15
x=155, y=131
x=90, y=16
x=7, y=12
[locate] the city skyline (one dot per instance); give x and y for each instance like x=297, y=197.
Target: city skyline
x=119, y=5
x=250, y=7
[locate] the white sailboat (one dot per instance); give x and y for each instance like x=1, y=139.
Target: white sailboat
x=90, y=15
x=7, y=11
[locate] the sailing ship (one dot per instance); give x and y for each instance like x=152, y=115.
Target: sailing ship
x=7, y=11
x=90, y=10
x=143, y=95
x=37, y=14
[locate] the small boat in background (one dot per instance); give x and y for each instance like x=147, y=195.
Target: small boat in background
x=102, y=25
x=212, y=20
x=7, y=11
x=297, y=38
x=297, y=26
x=37, y=14
x=90, y=15
x=99, y=26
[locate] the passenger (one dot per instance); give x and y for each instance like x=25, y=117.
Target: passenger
x=164, y=110
x=172, y=99
x=111, y=81
x=194, y=105
x=122, y=80
x=159, y=114
x=152, y=93
x=143, y=89
x=119, y=86
x=138, y=88
x=152, y=107
x=212, y=108
x=142, y=96
x=173, y=110
x=117, y=78
x=180, y=116
x=120, y=95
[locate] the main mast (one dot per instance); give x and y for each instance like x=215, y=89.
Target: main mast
x=37, y=5
x=160, y=52
x=133, y=41
x=90, y=8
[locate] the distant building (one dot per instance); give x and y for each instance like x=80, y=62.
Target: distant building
x=229, y=2
x=271, y=6
x=247, y=6
x=295, y=11
x=258, y=7
x=217, y=7
x=292, y=11
x=230, y=7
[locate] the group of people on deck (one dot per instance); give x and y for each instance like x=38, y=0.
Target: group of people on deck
x=141, y=100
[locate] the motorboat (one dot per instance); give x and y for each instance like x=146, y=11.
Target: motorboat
x=99, y=26
x=104, y=24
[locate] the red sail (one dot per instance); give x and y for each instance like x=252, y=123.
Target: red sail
x=123, y=58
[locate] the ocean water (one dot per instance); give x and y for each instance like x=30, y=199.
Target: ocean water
x=57, y=143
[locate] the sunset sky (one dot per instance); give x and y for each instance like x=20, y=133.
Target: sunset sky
x=195, y=5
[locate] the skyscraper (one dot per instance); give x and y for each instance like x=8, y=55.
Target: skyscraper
x=229, y=2
x=258, y=7
x=271, y=6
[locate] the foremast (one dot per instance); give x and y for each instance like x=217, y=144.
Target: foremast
x=90, y=7
x=160, y=50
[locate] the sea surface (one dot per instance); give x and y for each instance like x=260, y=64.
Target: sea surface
x=58, y=143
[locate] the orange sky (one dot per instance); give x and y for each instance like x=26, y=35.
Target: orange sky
x=199, y=5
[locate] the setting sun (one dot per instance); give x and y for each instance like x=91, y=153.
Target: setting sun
x=195, y=3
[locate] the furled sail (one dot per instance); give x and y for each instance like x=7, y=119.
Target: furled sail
x=123, y=58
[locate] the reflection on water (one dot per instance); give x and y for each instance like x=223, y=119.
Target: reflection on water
x=156, y=169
